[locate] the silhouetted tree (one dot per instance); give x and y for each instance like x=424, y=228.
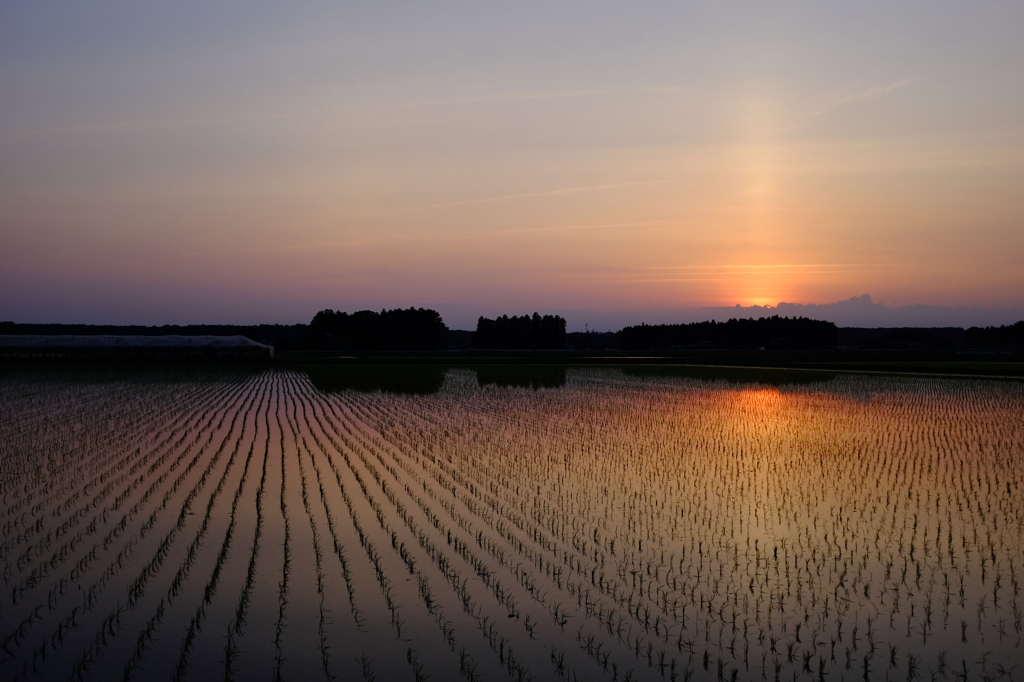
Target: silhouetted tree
x=412, y=329
x=520, y=333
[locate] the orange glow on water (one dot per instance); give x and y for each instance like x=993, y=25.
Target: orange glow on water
x=760, y=404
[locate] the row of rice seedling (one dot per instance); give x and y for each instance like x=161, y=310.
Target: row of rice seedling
x=559, y=613
x=91, y=577
x=127, y=465
x=409, y=550
x=79, y=571
x=56, y=467
x=197, y=621
x=505, y=594
x=55, y=499
x=797, y=577
x=237, y=626
x=164, y=544
x=618, y=528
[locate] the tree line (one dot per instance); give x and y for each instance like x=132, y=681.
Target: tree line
x=764, y=332
x=1006, y=336
x=520, y=333
x=419, y=329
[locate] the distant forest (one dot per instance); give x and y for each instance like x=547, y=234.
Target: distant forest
x=766, y=332
x=1007, y=336
x=520, y=333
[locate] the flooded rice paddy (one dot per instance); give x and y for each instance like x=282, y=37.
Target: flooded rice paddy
x=509, y=524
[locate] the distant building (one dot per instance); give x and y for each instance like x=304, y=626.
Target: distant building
x=108, y=347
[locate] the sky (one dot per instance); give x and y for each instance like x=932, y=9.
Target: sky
x=248, y=162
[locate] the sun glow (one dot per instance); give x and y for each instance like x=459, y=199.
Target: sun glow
x=758, y=399
x=765, y=287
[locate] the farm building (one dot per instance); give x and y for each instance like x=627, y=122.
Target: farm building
x=109, y=347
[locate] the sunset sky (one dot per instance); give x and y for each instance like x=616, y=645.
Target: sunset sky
x=247, y=162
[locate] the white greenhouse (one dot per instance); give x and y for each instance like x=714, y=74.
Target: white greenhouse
x=109, y=347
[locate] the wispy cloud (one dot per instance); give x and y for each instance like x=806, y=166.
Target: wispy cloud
x=248, y=116
x=550, y=94
x=529, y=195
x=774, y=268
x=405, y=238
x=846, y=95
x=516, y=97
x=715, y=273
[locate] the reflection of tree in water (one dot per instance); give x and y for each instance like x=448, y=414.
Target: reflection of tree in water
x=735, y=375
x=521, y=376
x=428, y=379
x=401, y=379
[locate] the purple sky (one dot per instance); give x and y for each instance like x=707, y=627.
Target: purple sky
x=256, y=162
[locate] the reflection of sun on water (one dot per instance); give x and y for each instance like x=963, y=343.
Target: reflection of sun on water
x=759, y=413
x=767, y=398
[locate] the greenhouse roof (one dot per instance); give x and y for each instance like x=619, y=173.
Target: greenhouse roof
x=111, y=341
